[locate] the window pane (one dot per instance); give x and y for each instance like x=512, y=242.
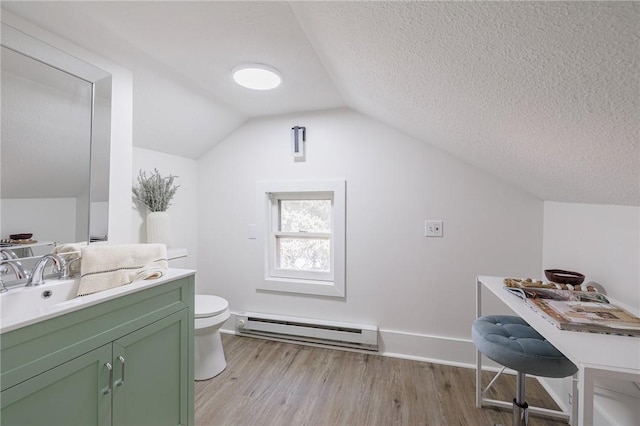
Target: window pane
x=305, y=215
x=304, y=254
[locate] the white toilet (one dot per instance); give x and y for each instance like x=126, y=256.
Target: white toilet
x=210, y=313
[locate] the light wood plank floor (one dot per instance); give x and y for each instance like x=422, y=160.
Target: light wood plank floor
x=274, y=383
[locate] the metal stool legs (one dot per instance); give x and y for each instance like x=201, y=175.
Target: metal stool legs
x=520, y=406
x=498, y=338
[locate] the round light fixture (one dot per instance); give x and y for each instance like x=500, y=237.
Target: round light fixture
x=257, y=77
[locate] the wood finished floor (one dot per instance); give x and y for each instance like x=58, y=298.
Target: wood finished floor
x=274, y=383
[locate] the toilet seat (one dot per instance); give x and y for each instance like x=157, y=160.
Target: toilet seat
x=209, y=306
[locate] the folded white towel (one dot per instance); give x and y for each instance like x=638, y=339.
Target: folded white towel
x=72, y=254
x=108, y=266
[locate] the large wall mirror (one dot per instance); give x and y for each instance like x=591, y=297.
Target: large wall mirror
x=55, y=146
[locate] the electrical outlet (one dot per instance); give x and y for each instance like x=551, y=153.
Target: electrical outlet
x=433, y=228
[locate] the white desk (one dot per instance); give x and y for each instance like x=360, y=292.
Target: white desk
x=595, y=355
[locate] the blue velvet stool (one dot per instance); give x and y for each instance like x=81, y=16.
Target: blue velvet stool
x=510, y=341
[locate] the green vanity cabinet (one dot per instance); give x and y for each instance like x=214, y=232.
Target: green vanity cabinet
x=154, y=391
x=127, y=361
x=73, y=393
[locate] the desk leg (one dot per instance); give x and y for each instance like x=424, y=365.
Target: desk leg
x=587, y=375
x=573, y=419
x=585, y=396
x=478, y=354
x=478, y=298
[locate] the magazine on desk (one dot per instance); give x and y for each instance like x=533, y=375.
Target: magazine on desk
x=579, y=310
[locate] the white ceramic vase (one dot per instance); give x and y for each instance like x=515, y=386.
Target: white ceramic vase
x=158, y=227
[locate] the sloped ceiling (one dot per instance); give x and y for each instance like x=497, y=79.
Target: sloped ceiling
x=545, y=95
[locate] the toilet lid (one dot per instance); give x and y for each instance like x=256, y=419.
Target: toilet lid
x=208, y=306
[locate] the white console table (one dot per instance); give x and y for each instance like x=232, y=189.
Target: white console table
x=595, y=355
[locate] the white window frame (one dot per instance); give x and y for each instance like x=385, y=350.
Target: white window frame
x=330, y=283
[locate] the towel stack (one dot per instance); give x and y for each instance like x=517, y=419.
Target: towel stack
x=109, y=266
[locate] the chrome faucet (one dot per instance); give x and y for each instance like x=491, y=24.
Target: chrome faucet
x=36, y=277
x=66, y=269
x=16, y=267
x=7, y=254
x=9, y=258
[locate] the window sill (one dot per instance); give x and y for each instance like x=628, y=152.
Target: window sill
x=300, y=286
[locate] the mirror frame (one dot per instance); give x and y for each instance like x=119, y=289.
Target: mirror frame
x=100, y=80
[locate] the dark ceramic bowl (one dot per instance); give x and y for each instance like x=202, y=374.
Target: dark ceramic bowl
x=564, y=277
x=20, y=236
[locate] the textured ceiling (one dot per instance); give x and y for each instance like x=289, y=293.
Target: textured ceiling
x=545, y=95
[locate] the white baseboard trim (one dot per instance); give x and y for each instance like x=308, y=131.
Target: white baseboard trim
x=421, y=347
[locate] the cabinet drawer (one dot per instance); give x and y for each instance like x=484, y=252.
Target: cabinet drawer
x=36, y=348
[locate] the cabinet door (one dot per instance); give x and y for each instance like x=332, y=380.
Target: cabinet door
x=151, y=385
x=74, y=393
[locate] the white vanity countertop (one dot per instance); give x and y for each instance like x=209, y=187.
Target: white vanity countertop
x=24, y=306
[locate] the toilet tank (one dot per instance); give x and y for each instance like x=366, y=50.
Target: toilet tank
x=177, y=257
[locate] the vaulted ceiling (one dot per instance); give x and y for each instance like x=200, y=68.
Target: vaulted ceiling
x=545, y=95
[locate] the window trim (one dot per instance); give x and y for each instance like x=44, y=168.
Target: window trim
x=305, y=282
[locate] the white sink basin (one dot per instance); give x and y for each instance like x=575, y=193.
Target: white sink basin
x=22, y=306
x=30, y=301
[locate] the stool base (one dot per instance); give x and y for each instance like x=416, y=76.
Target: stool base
x=520, y=406
x=520, y=414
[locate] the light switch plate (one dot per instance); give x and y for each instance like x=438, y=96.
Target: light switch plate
x=433, y=228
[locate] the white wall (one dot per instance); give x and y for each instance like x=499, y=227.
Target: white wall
x=186, y=113
x=48, y=219
x=603, y=243
x=121, y=126
x=36, y=109
x=418, y=290
x=184, y=207
x=600, y=241
x=99, y=222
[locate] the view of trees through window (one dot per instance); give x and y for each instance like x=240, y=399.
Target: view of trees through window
x=310, y=252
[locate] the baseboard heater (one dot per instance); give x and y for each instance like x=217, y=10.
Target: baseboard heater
x=306, y=330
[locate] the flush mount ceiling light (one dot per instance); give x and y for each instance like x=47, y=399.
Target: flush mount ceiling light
x=257, y=77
